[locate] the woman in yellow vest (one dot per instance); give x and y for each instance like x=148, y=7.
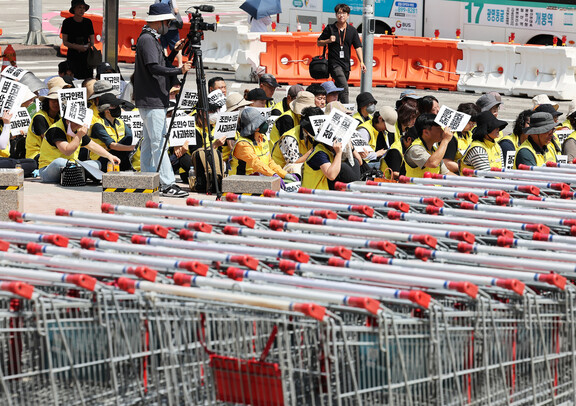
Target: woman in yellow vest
x=484, y=152
x=322, y=166
x=251, y=153
x=537, y=149
x=49, y=113
x=550, y=109
x=569, y=144
x=62, y=141
x=8, y=160
x=407, y=114
x=378, y=133
x=109, y=131
x=511, y=143
x=462, y=139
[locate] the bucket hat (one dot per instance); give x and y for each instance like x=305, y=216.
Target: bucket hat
x=486, y=122
x=101, y=87
x=159, y=12
x=364, y=99
x=543, y=99
x=303, y=100
x=548, y=108
x=330, y=87
x=487, y=101
x=336, y=105
x=251, y=120
x=571, y=108
x=75, y=3
x=235, y=100
x=52, y=94
x=540, y=123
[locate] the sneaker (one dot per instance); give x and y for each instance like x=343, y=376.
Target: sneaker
x=173, y=191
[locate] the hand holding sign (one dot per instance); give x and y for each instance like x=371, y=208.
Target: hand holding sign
x=338, y=127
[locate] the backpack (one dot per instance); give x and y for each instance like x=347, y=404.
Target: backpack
x=202, y=165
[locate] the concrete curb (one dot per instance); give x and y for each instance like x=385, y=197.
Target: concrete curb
x=34, y=50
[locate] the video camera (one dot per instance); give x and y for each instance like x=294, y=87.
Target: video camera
x=197, y=24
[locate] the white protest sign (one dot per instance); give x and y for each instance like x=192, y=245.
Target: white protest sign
x=317, y=122
x=10, y=95
x=452, y=119
x=188, y=99
x=226, y=125
x=78, y=113
x=563, y=134
x=359, y=144
x=338, y=127
x=183, y=129
x=217, y=97
x=70, y=95
x=133, y=120
x=14, y=72
x=562, y=159
x=510, y=155
x=114, y=79
x=264, y=111
x=349, y=106
x=20, y=122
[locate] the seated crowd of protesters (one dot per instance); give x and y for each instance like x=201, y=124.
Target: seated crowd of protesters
x=279, y=138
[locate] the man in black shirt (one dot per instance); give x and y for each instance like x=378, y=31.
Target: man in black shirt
x=340, y=37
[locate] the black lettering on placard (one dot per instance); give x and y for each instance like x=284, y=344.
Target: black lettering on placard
x=456, y=120
x=445, y=119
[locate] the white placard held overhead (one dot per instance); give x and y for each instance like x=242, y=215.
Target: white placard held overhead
x=183, y=129
x=188, y=99
x=452, y=119
x=338, y=127
x=133, y=120
x=217, y=98
x=14, y=72
x=78, y=113
x=226, y=125
x=10, y=95
x=20, y=122
x=71, y=95
x=114, y=79
x=317, y=122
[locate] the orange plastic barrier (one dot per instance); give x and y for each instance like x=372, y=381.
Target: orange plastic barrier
x=426, y=63
x=383, y=73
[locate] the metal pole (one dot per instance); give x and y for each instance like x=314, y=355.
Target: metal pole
x=110, y=32
x=35, y=34
x=368, y=28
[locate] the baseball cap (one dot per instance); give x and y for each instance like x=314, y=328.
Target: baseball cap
x=390, y=116
x=270, y=79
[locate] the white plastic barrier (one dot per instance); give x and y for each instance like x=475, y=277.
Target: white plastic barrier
x=486, y=67
x=548, y=70
x=220, y=49
x=249, y=56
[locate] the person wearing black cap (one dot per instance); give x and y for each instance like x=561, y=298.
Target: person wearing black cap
x=109, y=131
x=78, y=35
x=366, y=104
x=536, y=150
x=269, y=84
x=258, y=98
x=549, y=108
x=484, y=152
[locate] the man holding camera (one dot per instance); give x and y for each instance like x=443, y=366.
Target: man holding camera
x=153, y=78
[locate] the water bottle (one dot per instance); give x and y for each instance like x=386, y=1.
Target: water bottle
x=192, y=178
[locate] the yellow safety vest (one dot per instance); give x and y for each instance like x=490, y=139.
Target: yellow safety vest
x=279, y=106
x=5, y=153
x=566, y=123
x=116, y=131
x=512, y=138
x=33, y=140
x=315, y=179
x=275, y=133
x=463, y=143
x=49, y=153
x=549, y=154
x=492, y=149
x=419, y=172
x=373, y=133
x=397, y=145
x=359, y=117
x=303, y=145
x=262, y=151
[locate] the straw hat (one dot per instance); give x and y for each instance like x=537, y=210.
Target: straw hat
x=235, y=100
x=303, y=100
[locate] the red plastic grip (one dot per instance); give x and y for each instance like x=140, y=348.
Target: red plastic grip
x=270, y=193
x=231, y=197
x=465, y=247
x=33, y=248
x=404, y=179
x=467, y=172
x=316, y=220
x=56, y=239
x=415, y=296
x=566, y=194
x=105, y=208
x=462, y=236
x=88, y=243
x=504, y=232
x=356, y=218
x=126, y=284
x=511, y=284
x=433, y=210
x=81, y=280
x=153, y=205
x=434, y=175
x=287, y=217
x=497, y=193
x=338, y=262
x=342, y=252
x=535, y=198
x=139, y=239
x=296, y=255
x=533, y=190
x=573, y=231
x=231, y=230
x=276, y=224
x=143, y=272
x=365, y=303
x=433, y=201
x=467, y=206
x=184, y=235
x=244, y=221
x=182, y=279
x=385, y=246
x=245, y=260
x=569, y=222
x=560, y=186
x=18, y=288
x=524, y=167
x=305, y=190
x=288, y=267
x=471, y=197
x=425, y=239
x=156, y=229
x=15, y=215
x=62, y=212
x=505, y=241
x=541, y=228
x=235, y=273
x=541, y=237
x=502, y=201
x=395, y=215
x=327, y=214
x=4, y=245
x=105, y=235
x=554, y=164
x=495, y=169
x=200, y=226
x=423, y=253
x=192, y=202
x=378, y=259
x=467, y=288
x=402, y=206
x=363, y=209
x=194, y=266
x=344, y=186
x=310, y=309
x=553, y=279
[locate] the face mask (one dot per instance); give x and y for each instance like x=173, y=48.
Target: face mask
x=70, y=132
x=263, y=128
x=163, y=30
x=116, y=112
x=213, y=117
x=371, y=108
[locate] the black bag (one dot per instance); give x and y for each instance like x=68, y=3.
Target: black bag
x=94, y=57
x=72, y=175
x=319, y=66
x=201, y=163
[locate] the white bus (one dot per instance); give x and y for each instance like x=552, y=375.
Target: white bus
x=527, y=21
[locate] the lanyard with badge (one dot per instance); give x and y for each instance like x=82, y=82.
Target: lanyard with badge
x=342, y=41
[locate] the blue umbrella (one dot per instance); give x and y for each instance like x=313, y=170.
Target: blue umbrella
x=261, y=8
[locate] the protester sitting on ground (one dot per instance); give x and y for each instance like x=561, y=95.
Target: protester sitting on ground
x=258, y=98
x=269, y=84
x=484, y=152
x=407, y=114
x=291, y=118
x=569, y=145
x=62, y=142
x=251, y=154
x=216, y=83
x=549, y=108
x=428, y=104
x=511, y=142
x=49, y=113
x=422, y=156
x=295, y=145
x=234, y=102
x=568, y=123
x=99, y=88
x=66, y=82
x=407, y=96
x=537, y=149
x=543, y=99
x=332, y=92
x=89, y=85
x=319, y=94
x=63, y=70
x=366, y=105
x=17, y=147
x=462, y=139
x=7, y=158
x=394, y=157
x=110, y=132
x=283, y=106
x=490, y=101
x=378, y=133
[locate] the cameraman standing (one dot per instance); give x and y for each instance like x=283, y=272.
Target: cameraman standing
x=153, y=78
